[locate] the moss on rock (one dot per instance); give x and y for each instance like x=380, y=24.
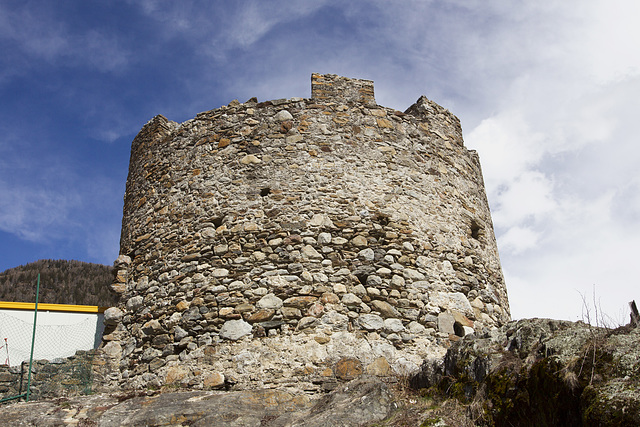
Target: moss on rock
x=540, y=372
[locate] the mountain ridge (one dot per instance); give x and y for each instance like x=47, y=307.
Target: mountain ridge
x=61, y=282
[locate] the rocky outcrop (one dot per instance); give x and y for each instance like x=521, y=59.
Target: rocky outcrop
x=359, y=402
x=538, y=372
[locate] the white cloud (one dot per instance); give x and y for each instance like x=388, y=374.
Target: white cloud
x=508, y=147
x=519, y=239
x=610, y=50
x=528, y=197
x=34, y=214
x=626, y=203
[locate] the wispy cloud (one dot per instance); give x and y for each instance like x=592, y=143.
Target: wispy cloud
x=36, y=215
x=37, y=33
x=218, y=28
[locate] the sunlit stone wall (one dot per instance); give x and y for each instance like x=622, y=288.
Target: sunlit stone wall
x=300, y=242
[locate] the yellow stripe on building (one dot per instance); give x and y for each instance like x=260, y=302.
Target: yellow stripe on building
x=52, y=307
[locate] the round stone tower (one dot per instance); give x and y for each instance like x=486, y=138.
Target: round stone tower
x=301, y=242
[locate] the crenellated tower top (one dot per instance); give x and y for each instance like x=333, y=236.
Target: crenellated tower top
x=330, y=87
x=301, y=242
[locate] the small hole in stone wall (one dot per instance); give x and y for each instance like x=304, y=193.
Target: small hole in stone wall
x=217, y=221
x=362, y=277
x=265, y=191
x=381, y=219
x=458, y=329
x=476, y=230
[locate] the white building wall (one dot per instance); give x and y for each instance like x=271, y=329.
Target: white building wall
x=58, y=334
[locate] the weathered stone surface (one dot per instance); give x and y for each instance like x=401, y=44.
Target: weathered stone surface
x=379, y=367
x=446, y=322
x=350, y=299
x=112, y=348
x=119, y=288
x=151, y=327
x=291, y=312
x=250, y=159
x=359, y=241
x=182, y=305
x=348, y=368
x=461, y=319
x=453, y=301
x=179, y=333
x=175, y=374
x=214, y=380
x=543, y=372
x=371, y=322
x=310, y=252
x=359, y=402
x=335, y=321
x=385, y=309
x=330, y=298
x=235, y=329
x=324, y=238
x=300, y=302
x=393, y=325
x=112, y=316
x=134, y=303
x=415, y=328
x=283, y=115
x=219, y=272
x=269, y=302
x=307, y=322
x=261, y=315
x=192, y=314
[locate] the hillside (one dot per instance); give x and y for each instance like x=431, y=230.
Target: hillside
x=61, y=282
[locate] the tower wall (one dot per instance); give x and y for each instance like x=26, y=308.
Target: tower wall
x=281, y=241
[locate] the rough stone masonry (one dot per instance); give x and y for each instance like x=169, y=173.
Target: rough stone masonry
x=298, y=242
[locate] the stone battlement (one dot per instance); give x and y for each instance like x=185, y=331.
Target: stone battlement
x=299, y=242
x=329, y=87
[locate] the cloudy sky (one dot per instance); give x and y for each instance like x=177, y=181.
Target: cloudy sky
x=547, y=92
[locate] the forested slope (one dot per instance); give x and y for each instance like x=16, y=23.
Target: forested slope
x=61, y=282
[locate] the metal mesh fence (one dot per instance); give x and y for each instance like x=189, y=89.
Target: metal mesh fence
x=63, y=354
x=53, y=341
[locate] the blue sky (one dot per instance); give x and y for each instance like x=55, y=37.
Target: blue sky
x=547, y=93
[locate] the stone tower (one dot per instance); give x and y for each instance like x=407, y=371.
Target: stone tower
x=301, y=241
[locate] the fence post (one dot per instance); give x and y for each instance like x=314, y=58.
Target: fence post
x=33, y=338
